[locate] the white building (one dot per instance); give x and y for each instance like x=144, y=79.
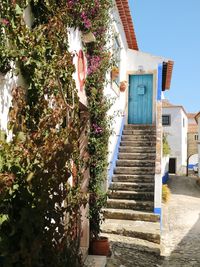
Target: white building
x=197, y=118
x=175, y=126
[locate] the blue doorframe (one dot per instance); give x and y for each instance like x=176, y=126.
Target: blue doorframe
x=140, y=99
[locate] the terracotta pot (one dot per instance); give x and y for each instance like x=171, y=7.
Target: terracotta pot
x=100, y=246
x=122, y=86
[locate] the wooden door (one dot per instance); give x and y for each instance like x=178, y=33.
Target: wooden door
x=140, y=99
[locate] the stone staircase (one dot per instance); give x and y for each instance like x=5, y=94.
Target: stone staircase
x=129, y=212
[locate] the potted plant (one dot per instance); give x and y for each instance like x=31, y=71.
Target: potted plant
x=99, y=245
x=114, y=73
x=123, y=86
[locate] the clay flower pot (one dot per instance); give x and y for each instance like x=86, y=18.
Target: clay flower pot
x=100, y=246
x=123, y=86
x=114, y=73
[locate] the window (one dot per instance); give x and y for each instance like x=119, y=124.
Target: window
x=196, y=137
x=183, y=122
x=166, y=120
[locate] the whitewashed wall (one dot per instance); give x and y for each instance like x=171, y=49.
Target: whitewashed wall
x=75, y=45
x=112, y=90
x=177, y=136
x=184, y=141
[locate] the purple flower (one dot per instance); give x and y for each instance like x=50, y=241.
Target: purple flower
x=71, y=3
x=97, y=129
x=93, y=64
x=86, y=21
x=5, y=22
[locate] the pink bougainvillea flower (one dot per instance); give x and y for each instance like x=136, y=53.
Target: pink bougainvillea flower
x=86, y=21
x=5, y=22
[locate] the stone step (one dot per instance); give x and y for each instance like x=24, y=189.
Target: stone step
x=138, y=138
x=121, y=214
x=134, y=170
x=130, y=204
x=135, y=163
x=144, y=149
x=138, y=143
x=139, y=132
x=135, y=195
x=134, y=244
x=138, y=229
x=139, y=127
x=95, y=261
x=137, y=156
x=148, y=178
x=132, y=186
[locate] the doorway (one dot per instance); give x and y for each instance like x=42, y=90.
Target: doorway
x=172, y=165
x=140, y=99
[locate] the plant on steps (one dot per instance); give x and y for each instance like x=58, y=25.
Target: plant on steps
x=165, y=193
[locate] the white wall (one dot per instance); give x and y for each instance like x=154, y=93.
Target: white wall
x=75, y=45
x=112, y=90
x=184, y=141
x=177, y=136
x=165, y=165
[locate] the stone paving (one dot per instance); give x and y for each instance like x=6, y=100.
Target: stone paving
x=180, y=236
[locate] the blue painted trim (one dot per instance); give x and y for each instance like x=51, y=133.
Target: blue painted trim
x=159, y=212
x=165, y=178
x=115, y=154
x=159, y=92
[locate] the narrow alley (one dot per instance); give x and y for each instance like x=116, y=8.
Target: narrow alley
x=181, y=224
x=180, y=232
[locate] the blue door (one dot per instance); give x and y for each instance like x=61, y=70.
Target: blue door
x=140, y=101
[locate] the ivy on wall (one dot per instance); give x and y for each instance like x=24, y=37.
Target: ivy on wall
x=40, y=212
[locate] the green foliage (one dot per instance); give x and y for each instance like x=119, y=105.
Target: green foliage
x=39, y=211
x=165, y=193
x=166, y=147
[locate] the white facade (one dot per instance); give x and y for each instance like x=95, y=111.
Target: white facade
x=176, y=133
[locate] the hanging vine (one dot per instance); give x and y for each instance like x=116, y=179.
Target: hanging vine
x=40, y=211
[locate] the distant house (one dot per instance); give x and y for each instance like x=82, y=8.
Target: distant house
x=175, y=127
x=197, y=118
x=192, y=153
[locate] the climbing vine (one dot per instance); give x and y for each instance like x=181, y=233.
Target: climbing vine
x=40, y=211
x=93, y=16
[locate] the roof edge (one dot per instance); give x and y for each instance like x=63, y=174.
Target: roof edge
x=197, y=116
x=126, y=18
x=167, y=74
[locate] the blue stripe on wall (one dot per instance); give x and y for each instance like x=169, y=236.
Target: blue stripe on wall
x=159, y=212
x=160, y=70
x=115, y=154
x=165, y=178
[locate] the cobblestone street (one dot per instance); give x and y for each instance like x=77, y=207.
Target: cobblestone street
x=180, y=235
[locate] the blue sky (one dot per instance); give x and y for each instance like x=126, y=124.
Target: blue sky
x=171, y=28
